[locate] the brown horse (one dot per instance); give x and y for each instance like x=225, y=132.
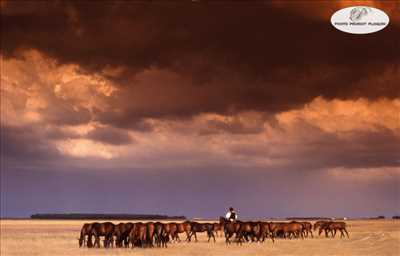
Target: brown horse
x=256, y=231
x=105, y=229
x=218, y=229
x=265, y=231
x=293, y=228
x=202, y=227
x=276, y=229
x=260, y=231
x=171, y=230
x=184, y=227
x=230, y=228
x=85, y=231
x=138, y=235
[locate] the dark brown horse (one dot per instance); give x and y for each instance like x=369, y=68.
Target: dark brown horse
x=197, y=227
x=335, y=226
x=307, y=228
x=160, y=235
x=318, y=224
x=323, y=227
x=150, y=233
x=105, y=229
x=245, y=230
x=85, y=232
x=121, y=233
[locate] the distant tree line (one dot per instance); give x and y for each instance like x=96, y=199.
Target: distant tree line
x=88, y=216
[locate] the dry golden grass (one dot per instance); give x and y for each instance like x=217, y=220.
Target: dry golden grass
x=53, y=238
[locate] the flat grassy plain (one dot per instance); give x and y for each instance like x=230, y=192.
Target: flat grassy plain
x=59, y=237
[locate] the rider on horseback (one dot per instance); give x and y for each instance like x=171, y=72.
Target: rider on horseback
x=231, y=214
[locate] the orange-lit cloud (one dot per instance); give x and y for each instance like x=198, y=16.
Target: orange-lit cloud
x=35, y=88
x=76, y=113
x=340, y=116
x=83, y=148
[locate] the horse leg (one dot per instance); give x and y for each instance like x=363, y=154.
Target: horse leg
x=262, y=238
x=89, y=243
x=106, y=242
x=240, y=236
x=164, y=241
x=111, y=242
x=346, y=232
x=97, y=241
x=227, y=237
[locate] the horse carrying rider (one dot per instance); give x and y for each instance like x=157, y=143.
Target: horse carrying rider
x=231, y=215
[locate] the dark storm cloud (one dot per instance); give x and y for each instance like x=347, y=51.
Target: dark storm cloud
x=56, y=133
x=361, y=149
x=234, y=126
x=25, y=145
x=278, y=58
x=64, y=114
x=318, y=150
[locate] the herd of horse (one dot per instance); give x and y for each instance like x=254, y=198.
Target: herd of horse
x=150, y=234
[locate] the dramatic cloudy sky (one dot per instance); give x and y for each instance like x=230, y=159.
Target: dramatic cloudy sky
x=188, y=108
